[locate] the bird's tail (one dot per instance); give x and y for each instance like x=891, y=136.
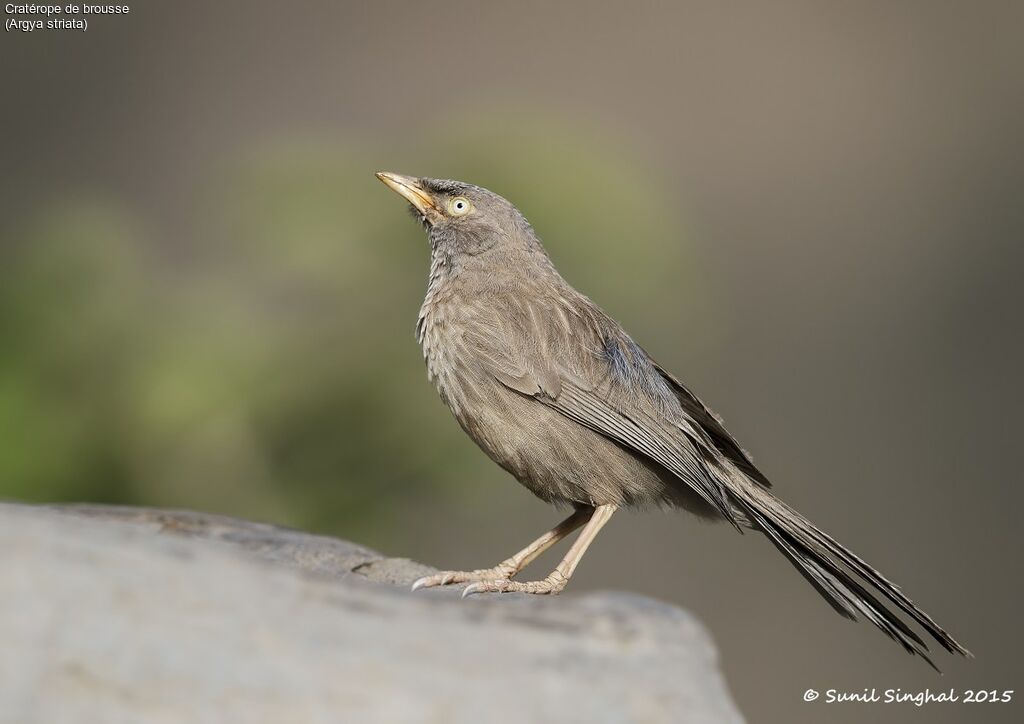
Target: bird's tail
x=848, y=583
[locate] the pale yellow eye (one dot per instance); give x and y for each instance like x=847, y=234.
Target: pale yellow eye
x=459, y=206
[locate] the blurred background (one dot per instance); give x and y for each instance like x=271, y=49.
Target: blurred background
x=811, y=212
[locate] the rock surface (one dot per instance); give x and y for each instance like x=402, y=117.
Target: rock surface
x=139, y=615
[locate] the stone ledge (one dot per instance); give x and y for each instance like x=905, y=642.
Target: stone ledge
x=130, y=614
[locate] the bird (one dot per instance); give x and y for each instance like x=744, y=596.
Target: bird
x=556, y=392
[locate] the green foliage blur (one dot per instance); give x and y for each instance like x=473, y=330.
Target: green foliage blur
x=263, y=365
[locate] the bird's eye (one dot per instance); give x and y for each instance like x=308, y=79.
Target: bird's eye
x=459, y=206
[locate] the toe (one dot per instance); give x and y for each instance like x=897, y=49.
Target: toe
x=497, y=574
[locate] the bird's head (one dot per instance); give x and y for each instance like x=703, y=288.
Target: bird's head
x=461, y=218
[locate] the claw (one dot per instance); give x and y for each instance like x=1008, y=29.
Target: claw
x=478, y=587
x=471, y=589
x=493, y=586
x=437, y=579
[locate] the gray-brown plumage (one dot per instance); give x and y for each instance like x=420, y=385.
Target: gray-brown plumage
x=556, y=393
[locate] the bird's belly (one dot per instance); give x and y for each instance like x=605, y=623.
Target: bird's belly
x=557, y=459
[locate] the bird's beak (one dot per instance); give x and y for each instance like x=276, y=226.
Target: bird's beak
x=413, y=192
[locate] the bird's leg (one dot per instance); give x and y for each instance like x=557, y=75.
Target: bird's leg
x=511, y=566
x=557, y=579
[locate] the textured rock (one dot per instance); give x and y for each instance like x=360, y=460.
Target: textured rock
x=136, y=615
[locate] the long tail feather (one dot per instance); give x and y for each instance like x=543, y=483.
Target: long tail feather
x=834, y=571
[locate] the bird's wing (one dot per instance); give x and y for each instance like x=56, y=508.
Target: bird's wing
x=581, y=363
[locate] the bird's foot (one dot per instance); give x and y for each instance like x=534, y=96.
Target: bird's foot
x=501, y=571
x=550, y=586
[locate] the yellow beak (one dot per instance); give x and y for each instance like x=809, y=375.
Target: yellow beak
x=410, y=189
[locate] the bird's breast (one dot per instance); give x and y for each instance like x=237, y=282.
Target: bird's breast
x=440, y=330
